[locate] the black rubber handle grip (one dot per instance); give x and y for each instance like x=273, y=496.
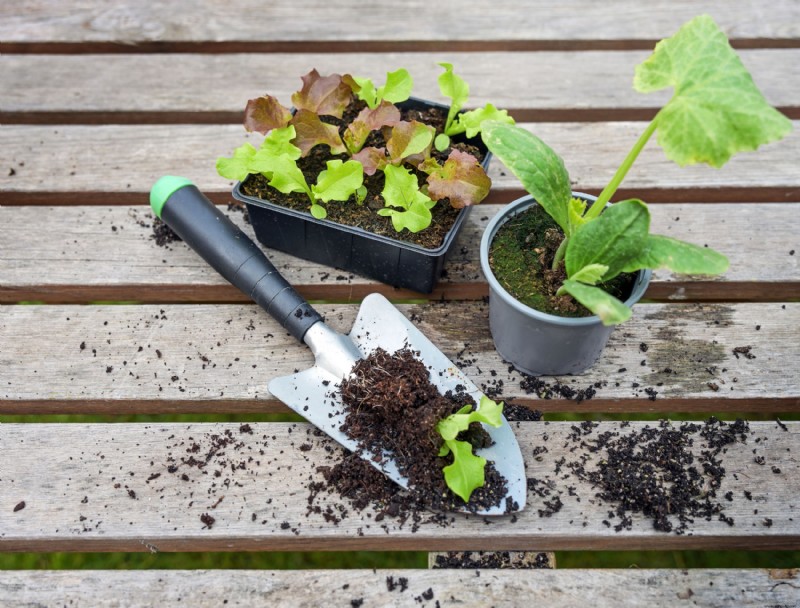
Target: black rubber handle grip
x=237, y=258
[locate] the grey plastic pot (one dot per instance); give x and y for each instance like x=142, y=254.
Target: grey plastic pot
x=538, y=343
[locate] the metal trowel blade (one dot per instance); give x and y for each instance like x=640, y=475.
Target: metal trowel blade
x=313, y=393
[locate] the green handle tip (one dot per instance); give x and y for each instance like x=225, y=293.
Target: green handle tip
x=163, y=189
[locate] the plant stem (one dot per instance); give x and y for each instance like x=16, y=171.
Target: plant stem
x=562, y=249
x=611, y=188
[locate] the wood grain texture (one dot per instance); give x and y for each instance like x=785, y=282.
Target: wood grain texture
x=108, y=253
x=124, y=22
x=148, y=359
x=109, y=488
x=253, y=588
x=121, y=161
x=130, y=86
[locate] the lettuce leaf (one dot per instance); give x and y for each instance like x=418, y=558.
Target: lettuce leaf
x=409, y=139
x=367, y=121
x=397, y=88
x=466, y=473
x=339, y=181
x=411, y=207
x=311, y=131
x=238, y=167
x=323, y=95
x=264, y=114
x=372, y=159
x=461, y=179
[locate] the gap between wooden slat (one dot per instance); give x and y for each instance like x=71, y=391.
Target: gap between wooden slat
x=223, y=117
x=496, y=197
x=685, y=292
x=642, y=405
x=359, y=46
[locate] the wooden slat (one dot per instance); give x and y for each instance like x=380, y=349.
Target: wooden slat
x=120, y=163
x=149, y=359
x=516, y=20
x=108, y=488
x=547, y=86
x=85, y=254
x=555, y=589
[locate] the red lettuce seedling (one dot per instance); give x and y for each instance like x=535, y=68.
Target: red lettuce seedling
x=716, y=111
x=466, y=473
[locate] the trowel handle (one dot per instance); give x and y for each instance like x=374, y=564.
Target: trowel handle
x=230, y=252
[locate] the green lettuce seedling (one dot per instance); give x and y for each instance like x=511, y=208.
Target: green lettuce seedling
x=453, y=86
x=408, y=207
x=466, y=473
x=716, y=111
x=277, y=161
x=397, y=88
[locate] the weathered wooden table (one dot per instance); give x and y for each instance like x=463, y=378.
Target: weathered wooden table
x=99, y=99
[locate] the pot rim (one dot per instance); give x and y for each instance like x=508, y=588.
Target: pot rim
x=520, y=204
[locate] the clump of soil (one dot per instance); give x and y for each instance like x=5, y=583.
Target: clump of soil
x=521, y=257
x=653, y=471
x=495, y=559
x=163, y=235
x=392, y=405
x=364, y=216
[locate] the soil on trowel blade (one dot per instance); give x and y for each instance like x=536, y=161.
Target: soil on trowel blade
x=391, y=405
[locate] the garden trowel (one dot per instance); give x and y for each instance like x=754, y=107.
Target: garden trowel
x=311, y=393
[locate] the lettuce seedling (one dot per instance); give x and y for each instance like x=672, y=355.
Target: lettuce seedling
x=405, y=203
x=461, y=179
x=453, y=86
x=466, y=473
x=292, y=134
x=397, y=88
x=716, y=111
x=277, y=161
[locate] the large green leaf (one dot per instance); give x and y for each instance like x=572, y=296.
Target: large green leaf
x=535, y=164
x=610, y=310
x=716, y=110
x=677, y=256
x=614, y=238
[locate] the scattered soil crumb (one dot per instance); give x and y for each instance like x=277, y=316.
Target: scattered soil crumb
x=655, y=472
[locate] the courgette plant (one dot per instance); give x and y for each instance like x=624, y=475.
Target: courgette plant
x=715, y=112
x=414, y=180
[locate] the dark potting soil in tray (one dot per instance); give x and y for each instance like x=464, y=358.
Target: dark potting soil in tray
x=392, y=405
x=521, y=256
x=365, y=216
